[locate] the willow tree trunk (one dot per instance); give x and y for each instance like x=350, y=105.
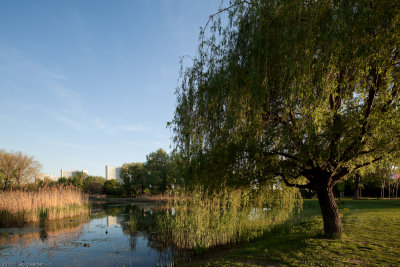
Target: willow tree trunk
x=357, y=180
x=330, y=213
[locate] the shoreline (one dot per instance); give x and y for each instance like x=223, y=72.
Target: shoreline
x=103, y=199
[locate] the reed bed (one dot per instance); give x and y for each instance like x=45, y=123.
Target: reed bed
x=17, y=207
x=204, y=220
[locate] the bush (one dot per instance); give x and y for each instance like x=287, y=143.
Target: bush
x=112, y=188
x=95, y=188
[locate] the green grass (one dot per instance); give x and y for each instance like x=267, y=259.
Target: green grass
x=372, y=238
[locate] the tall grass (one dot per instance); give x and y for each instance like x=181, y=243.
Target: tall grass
x=202, y=219
x=17, y=207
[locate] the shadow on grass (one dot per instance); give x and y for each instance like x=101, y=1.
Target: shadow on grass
x=300, y=241
x=266, y=250
x=286, y=238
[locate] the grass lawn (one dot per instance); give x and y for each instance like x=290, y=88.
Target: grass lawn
x=372, y=238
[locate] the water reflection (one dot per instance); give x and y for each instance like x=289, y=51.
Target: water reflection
x=117, y=235
x=51, y=233
x=112, y=220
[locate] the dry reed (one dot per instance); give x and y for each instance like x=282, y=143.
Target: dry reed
x=48, y=203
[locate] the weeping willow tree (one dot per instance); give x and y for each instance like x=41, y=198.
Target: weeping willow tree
x=303, y=91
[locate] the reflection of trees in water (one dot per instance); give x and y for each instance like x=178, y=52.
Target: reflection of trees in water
x=132, y=242
x=42, y=231
x=113, y=210
x=144, y=220
x=52, y=233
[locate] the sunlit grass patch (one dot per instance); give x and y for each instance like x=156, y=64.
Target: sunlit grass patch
x=372, y=231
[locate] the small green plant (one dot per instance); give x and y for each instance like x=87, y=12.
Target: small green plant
x=43, y=214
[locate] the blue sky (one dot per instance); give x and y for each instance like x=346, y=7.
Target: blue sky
x=84, y=84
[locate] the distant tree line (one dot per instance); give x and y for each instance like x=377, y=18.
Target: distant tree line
x=375, y=182
x=160, y=173
x=163, y=172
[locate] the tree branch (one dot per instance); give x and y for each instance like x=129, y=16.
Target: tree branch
x=282, y=154
x=358, y=142
x=371, y=96
x=367, y=163
x=300, y=186
x=367, y=151
x=338, y=175
x=210, y=18
x=395, y=91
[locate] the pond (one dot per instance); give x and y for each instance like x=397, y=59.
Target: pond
x=113, y=235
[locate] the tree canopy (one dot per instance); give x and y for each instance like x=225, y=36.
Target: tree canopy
x=157, y=164
x=307, y=91
x=16, y=169
x=134, y=176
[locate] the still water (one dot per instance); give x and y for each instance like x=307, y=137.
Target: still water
x=113, y=235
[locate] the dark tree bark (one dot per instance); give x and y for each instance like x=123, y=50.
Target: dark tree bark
x=322, y=183
x=357, y=180
x=330, y=213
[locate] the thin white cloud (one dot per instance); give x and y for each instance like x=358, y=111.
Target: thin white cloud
x=66, y=145
x=69, y=99
x=100, y=124
x=69, y=121
x=139, y=128
x=156, y=145
x=65, y=104
x=15, y=61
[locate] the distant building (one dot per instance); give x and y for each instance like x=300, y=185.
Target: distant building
x=112, y=220
x=68, y=174
x=113, y=173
